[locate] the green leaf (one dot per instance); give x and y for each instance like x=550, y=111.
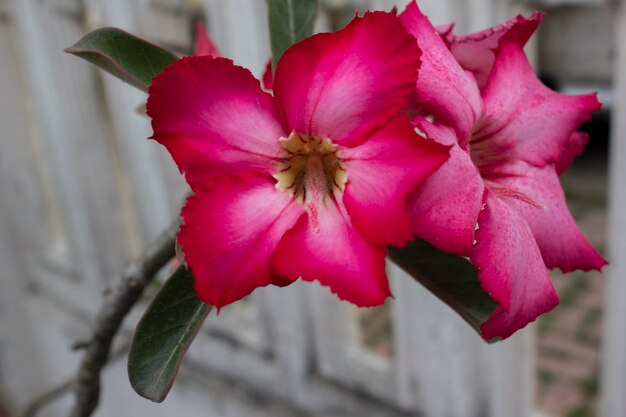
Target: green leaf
x=453, y=279
x=290, y=21
x=126, y=56
x=163, y=335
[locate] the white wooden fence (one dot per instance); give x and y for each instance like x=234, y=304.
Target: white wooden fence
x=82, y=191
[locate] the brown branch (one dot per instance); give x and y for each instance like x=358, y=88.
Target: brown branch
x=117, y=304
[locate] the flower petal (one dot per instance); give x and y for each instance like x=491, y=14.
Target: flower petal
x=342, y=85
x=203, y=45
x=330, y=250
x=230, y=233
x=382, y=172
x=213, y=117
x=523, y=118
x=561, y=242
x=445, y=210
x=444, y=89
x=510, y=269
x=475, y=52
x=268, y=77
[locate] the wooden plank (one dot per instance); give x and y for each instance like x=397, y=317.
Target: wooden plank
x=578, y=44
x=511, y=369
x=438, y=355
x=147, y=200
x=287, y=329
x=43, y=90
x=75, y=137
x=26, y=227
x=614, y=352
x=247, y=41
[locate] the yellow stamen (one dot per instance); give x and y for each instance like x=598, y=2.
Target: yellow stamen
x=310, y=168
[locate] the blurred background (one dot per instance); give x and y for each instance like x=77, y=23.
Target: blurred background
x=82, y=192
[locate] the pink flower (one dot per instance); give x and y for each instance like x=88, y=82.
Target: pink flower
x=503, y=206
x=203, y=45
x=312, y=182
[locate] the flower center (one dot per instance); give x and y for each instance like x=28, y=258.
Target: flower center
x=483, y=151
x=310, y=168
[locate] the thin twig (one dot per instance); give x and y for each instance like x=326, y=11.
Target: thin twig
x=46, y=398
x=52, y=394
x=117, y=304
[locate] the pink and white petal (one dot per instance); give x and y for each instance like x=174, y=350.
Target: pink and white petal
x=524, y=119
x=443, y=88
x=209, y=113
x=342, y=85
x=331, y=251
x=200, y=161
x=445, y=210
x=476, y=52
x=203, y=45
x=268, y=76
x=573, y=149
x=382, y=172
x=510, y=269
x=437, y=132
x=230, y=233
x=560, y=240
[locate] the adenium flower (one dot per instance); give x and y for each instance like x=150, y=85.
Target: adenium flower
x=311, y=182
x=203, y=44
x=498, y=199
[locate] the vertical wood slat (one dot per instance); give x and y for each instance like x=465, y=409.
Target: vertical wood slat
x=44, y=90
x=438, y=359
x=287, y=328
x=239, y=29
x=75, y=136
x=25, y=223
x=614, y=350
x=150, y=199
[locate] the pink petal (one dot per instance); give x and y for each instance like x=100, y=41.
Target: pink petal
x=475, y=52
x=230, y=233
x=441, y=134
x=204, y=46
x=574, y=148
x=523, y=118
x=268, y=77
x=444, y=89
x=213, y=117
x=510, y=269
x=330, y=250
x=382, y=172
x=342, y=85
x=561, y=242
x=444, y=30
x=445, y=210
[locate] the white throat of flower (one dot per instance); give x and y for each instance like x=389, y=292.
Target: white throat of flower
x=310, y=168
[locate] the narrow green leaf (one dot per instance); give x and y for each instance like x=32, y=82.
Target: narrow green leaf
x=290, y=21
x=163, y=335
x=126, y=56
x=453, y=279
